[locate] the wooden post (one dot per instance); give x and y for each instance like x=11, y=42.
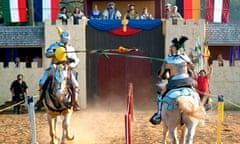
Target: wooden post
x=220, y=118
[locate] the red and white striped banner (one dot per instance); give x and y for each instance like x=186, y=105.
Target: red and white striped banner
x=217, y=11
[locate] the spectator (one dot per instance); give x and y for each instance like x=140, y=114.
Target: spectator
x=220, y=60
x=168, y=10
x=111, y=12
x=95, y=14
x=175, y=15
x=77, y=15
x=17, y=62
x=18, y=90
x=28, y=62
x=38, y=60
x=146, y=15
x=203, y=79
x=50, y=53
x=131, y=13
x=63, y=15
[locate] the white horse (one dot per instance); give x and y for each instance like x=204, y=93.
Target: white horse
x=181, y=109
x=57, y=101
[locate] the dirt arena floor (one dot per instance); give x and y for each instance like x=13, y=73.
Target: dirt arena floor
x=96, y=126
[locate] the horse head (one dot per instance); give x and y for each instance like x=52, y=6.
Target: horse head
x=58, y=94
x=60, y=90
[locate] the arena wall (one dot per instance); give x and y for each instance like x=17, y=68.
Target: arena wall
x=226, y=82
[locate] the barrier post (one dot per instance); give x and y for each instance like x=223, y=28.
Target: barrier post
x=32, y=119
x=130, y=100
x=128, y=129
x=220, y=118
x=129, y=115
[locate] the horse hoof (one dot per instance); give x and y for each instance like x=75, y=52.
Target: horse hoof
x=54, y=142
x=70, y=137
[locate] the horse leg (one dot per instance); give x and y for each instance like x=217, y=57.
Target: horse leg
x=165, y=133
x=52, y=128
x=191, y=128
x=183, y=135
x=66, y=128
x=173, y=133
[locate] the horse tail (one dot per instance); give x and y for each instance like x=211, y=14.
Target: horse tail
x=191, y=106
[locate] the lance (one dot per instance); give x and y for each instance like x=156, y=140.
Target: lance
x=60, y=53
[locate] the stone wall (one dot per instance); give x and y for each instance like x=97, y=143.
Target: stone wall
x=193, y=30
x=226, y=82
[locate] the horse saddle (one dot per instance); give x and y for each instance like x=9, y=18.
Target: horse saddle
x=171, y=96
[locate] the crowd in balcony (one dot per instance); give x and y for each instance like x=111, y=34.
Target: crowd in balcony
x=111, y=12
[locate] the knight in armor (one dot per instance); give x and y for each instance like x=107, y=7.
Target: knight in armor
x=174, y=74
x=73, y=62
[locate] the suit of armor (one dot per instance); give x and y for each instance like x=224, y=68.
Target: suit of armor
x=74, y=60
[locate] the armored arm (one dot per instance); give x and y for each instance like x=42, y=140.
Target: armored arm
x=72, y=57
x=50, y=52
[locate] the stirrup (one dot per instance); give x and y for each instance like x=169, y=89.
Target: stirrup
x=155, y=119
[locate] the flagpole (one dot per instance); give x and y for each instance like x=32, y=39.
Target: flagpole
x=31, y=14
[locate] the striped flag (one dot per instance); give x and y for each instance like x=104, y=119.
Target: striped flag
x=14, y=10
x=46, y=9
x=217, y=11
x=189, y=9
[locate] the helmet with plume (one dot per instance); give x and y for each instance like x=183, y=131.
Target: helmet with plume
x=64, y=35
x=177, y=45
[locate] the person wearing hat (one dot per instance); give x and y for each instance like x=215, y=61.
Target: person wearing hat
x=111, y=12
x=175, y=71
x=131, y=13
x=71, y=57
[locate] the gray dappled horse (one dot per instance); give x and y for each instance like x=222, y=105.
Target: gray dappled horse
x=58, y=101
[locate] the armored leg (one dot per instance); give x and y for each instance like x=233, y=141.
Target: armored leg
x=39, y=103
x=156, y=118
x=75, y=104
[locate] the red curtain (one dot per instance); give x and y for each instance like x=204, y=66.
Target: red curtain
x=210, y=11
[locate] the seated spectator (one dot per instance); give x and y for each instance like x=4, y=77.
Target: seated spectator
x=168, y=10
x=175, y=15
x=220, y=60
x=95, y=14
x=131, y=13
x=17, y=62
x=63, y=15
x=111, y=12
x=77, y=15
x=146, y=15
